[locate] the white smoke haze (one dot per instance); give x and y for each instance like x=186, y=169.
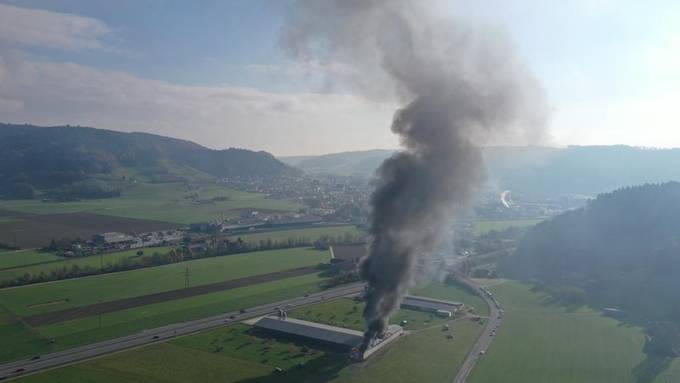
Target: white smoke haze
x=460, y=88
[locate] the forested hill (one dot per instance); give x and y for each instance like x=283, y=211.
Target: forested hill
x=49, y=156
x=622, y=250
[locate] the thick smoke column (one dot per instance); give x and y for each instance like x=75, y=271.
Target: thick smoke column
x=461, y=87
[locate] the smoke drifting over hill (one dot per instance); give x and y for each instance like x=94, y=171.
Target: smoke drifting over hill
x=460, y=87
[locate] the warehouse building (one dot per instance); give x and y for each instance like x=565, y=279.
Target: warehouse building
x=336, y=338
x=436, y=306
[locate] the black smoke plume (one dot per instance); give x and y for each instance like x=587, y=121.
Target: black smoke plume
x=460, y=87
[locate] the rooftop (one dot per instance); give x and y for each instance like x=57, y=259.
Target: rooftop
x=317, y=331
x=431, y=304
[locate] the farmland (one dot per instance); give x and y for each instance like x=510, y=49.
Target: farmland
x=483, y=227
x=24, y=302
x=27, y=300
x=32, y=230
x=312, y=233
x=45, y=262
x=235, y=354
x=17, y=258
x=28, y=341
x=177, y=294
x=165, y=202
x=542, y=342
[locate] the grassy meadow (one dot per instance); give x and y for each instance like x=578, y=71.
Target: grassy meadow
x=541, y=342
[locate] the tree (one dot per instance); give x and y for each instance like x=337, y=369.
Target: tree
x=21, y=190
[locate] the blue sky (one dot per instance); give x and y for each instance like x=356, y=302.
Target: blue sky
x=213, y=72
x=178, y=41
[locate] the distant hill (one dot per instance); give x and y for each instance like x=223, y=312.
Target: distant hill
x=538, y=171
x=360, y=163
x=294, y=160
x=44, y=157
x=621, y=251
x=579, y=170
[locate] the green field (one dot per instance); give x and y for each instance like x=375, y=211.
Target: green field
x=57, y=263
x=483, y=227
x=27, y=341
x=24, y=257
x=307, y=233
x=235, y=354
x=167, y=202
x=539, y=342
x=22, y=300
x=425, y=356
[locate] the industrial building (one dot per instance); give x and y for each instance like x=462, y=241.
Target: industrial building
x=336, y=338
x=436, y=306
x=112, y=238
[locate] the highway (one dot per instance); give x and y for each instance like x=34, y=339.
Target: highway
x=162, y=334
x=486, y=337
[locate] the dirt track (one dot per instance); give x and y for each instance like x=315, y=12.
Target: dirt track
x=122, y=304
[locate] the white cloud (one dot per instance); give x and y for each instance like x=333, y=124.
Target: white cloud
x=40, y=28
x=66, y=93
x=58, y=93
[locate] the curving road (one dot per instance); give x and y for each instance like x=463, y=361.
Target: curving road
x=486, y=337
x=162, y=334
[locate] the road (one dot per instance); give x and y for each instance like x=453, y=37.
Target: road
x=162, y=334
x=485, y=339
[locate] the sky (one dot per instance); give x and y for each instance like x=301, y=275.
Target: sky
x=213, y=72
